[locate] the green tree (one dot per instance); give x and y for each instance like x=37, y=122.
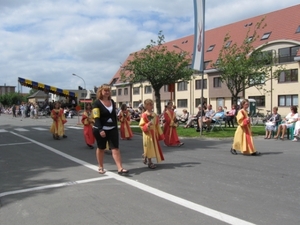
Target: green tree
x=242, y=66
x=159, y=66
x=12, y=98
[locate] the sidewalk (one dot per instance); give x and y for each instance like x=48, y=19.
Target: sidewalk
x=8, y=119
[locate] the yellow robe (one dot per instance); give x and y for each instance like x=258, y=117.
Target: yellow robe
x=243, y=140
x=59, y=120
x=151, y=137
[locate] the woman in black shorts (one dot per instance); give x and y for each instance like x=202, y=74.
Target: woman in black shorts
x=105, y=128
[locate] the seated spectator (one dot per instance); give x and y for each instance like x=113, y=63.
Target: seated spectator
x=272, y=122
x=136, y=116
x=230, y=116
x=184, y=117
x=208, y=120
x=287, y=122
x=208, y=114
x=194, y=118
x=297, y=130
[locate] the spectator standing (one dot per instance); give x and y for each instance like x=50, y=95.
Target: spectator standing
x=14, y=110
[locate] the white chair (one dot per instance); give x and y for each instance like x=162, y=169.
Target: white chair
x=218, y=123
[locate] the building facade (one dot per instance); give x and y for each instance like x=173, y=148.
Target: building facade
x=281, y=36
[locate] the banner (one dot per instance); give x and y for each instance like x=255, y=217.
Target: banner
x=198, y=56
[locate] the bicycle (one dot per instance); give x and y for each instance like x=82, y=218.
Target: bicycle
x=267, y=116
x=256, y=117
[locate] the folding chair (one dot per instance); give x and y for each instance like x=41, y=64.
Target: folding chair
x=290, y=132
x=217, y=123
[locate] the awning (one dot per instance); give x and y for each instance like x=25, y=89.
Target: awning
x=45, y=88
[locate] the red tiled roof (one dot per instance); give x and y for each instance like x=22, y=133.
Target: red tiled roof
x=282, y=24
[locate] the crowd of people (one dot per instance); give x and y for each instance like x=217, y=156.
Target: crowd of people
x=101, y=119
x=34, y=110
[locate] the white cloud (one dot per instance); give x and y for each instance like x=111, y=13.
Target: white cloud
x=47, y=41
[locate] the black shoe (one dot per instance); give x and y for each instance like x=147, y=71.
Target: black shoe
x=65, y=136
x=256, y=154
x=123, y=172
x=233, y=151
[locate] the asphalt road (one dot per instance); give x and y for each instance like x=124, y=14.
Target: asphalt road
x=46, y=181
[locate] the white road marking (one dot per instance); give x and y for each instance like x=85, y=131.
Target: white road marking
x=172, y=198
x=21, y=143
x=53, y=186
x=2, y=131
x=76, y=128
x=21, y=129
x=40, y=128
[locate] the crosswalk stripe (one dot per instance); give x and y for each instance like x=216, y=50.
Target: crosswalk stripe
x=76, y=128
x=21, y=129
x=39, y=128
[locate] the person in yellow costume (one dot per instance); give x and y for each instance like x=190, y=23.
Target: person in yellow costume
x=243, y=140
x=152, y=134
x=59, y=119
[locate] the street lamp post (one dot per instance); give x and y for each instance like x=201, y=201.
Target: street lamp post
x=84, y=87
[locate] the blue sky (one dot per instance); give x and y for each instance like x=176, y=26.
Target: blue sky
x=47, y=41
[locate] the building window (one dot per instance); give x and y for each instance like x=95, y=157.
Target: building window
x=287, y=100
x=260, y=100
x=136, y=90
x=211, y=48
x=287, y=54
x=125, y=91
x=250, y=39
x=113, y=92
x=217, y=82
x=148, y=89
x=119, y=92
x=181, y=103
x=266, y=36
x=298, y=29
x=135, y=104
x=198, y=101
x=182, y=86
x=228, y=44
x=288, y=76
x=198, y=84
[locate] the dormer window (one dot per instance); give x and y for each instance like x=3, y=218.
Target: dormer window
x=228, y=44
x=298, y=29
x=266, y=36
x=211, y=48
x=250, y=39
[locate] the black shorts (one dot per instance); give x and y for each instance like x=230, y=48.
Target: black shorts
x=112, y=138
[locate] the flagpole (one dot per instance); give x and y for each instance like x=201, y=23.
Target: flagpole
x=202, y=62
x=198, y=56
